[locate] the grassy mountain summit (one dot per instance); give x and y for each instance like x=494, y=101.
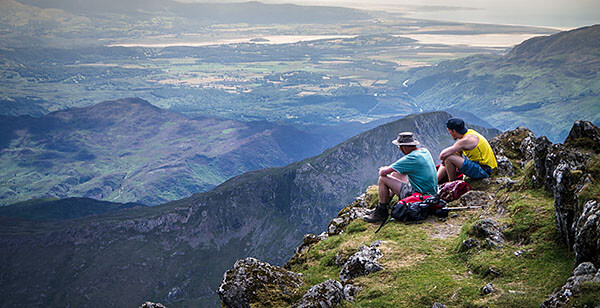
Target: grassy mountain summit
x=544, y=83
x=177, y=252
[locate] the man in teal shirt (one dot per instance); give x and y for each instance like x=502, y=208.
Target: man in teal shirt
x=414, y=172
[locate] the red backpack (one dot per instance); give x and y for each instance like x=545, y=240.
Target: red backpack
x=451, y=191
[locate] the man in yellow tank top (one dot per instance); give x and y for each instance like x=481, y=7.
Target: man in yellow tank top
x=471, y=154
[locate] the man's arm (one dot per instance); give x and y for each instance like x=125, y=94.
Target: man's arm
x=467, y=143
x=385, y=170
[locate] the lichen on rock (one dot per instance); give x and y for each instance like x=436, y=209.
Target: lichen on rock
x=327, y=294
x=362, y=262
x=585, y=272
x=260, y=284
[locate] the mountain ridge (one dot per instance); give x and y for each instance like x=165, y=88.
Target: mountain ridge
x=262, y=213
x=114, y=148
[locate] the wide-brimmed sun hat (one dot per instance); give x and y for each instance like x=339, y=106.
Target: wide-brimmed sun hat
x=405, y=138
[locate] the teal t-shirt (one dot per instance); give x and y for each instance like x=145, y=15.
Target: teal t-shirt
x=419, y=167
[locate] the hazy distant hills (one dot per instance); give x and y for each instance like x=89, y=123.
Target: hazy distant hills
x=129, y=150
x=544, y=83
x=243, y=12
x=176, y=253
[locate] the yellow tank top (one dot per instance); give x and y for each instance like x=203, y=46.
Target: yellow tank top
x=482, y=153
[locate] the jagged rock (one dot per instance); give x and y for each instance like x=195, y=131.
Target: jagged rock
x=505, y=167
x=324, y=295
x=509, y=142
x=438, y=305
x=584, y=134
x=152, y=305
x=587, y=234
x=475, y=198
x=350, y=291
x=336, y=226
x=583, y=273
x=362, y=263
x=468, y=244
x=355, y=210
x=251, y=281
x=565, y=171
x=309, y=240
x=300, y=251
x=487, y=289
x=527, y=149
x=540, y=150
x=490, y=231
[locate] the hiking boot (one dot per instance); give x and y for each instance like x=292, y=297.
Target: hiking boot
x=380, y=214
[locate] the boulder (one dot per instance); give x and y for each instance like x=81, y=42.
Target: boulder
x=509, y=143
x=587, y=234
x=572, y=289
x=490, y=231
x=468, y=244
x=327, y=294
x=350, y=291
x=505, y=167
x=256, y=283
x=362, y=263
x=475, y=198
x=584, y=135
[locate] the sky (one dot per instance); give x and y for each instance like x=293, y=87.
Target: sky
x=561, y=14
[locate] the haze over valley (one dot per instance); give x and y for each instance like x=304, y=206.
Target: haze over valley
x=138, y=137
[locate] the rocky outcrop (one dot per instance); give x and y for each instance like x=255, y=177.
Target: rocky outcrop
x=355, y=210
x=362, y=263
x=475, y=198
x=490, y=232
x=326, y=294
x=261, y=284
x=587, y=234
x=585, y=272
x=563, y=170
x=566, y=170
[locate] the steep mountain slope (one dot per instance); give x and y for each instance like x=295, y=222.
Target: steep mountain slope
x=58, y=209
x=177, y=252
x=130, y=151
x=545, y=83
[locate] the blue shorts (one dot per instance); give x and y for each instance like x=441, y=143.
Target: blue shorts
x=475, y=170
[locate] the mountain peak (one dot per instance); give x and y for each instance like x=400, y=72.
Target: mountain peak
x=576, y=46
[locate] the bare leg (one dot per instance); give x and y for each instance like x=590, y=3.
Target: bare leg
x=452, y=163
x=442, y=175
x=391, y=184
